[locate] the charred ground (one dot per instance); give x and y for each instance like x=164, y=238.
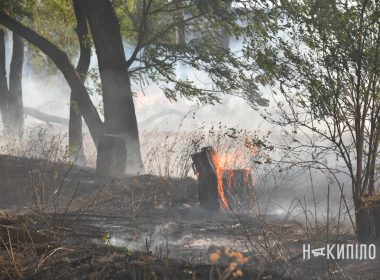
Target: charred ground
x=67, y=222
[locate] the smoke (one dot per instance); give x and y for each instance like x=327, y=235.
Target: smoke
x=50, y=94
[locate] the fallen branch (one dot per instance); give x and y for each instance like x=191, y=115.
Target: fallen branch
x=45, y=117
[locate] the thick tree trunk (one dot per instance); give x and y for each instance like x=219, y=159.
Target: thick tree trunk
x=75, y=124
x=367, y=210
x=63, y=63
x=15, y=104
x=3, y=76
x=368, y=220
x=11, y=105
x=112, y=154
x=119, y=109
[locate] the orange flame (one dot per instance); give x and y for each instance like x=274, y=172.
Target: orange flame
x=219, y=176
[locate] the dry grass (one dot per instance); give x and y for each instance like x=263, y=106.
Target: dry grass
x=50, y=163
x=37, y=143
x=167, y=154
x=23, y=250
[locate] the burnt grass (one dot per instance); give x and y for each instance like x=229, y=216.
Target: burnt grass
x=40, y=199
x=86, y=260
x=57, y=220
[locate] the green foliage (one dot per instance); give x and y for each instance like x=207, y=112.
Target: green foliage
x=13, y=7
x=226, y=72
x=128, y=12
x=152, y=26
x=54, y=20
x=323, y=47
x=323, y=60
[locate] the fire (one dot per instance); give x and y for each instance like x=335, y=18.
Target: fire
x=230, y=178
x=219, y=176
x=225, y=165
x=225, y=184
x=236, y=159
x=228, y=160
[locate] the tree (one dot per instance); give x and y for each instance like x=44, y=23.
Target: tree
x=325, y=67
x=71, y=34
x=34, y=14
x=150, y=26
x=61, y=60
x=11, y=104
x=119, y=111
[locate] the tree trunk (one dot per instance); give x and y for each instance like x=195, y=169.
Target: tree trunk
x=63, y=63
x=368, y=220
x=3, y=77
x=75, y=121
x=112, y=154
x=204, y=167
x=11, y=105
x=119, y=110
x=15, y=104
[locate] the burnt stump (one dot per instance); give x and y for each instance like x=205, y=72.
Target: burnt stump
x=207, y=178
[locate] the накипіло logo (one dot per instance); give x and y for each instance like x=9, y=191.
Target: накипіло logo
x=341, y=251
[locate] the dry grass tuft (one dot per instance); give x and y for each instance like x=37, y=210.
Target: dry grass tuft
x=23, y=250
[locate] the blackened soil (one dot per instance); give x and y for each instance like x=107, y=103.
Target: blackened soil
x=80, y=225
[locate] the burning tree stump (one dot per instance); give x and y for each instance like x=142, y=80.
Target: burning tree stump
x=207, y=178
x=368, y=218
x=112, y=155
x=238, y=187
x=218, y=188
